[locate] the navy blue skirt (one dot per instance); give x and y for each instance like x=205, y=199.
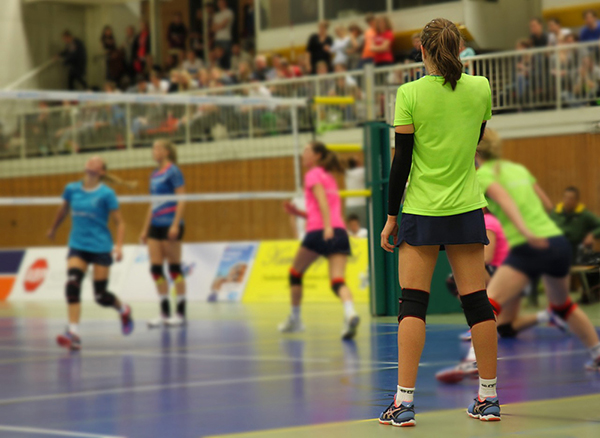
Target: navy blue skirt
x=459, y=229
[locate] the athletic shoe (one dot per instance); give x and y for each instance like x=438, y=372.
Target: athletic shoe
x=558, y=322
x=593, y=365
x=400, y=416
x=175, y=321
x=69, y=340
x=350, y=326
x=157, y=322
x=458, y=372
x=127, y=321
x=212, y=298
x=466, y=336
x=291, y=325
x=485, y=410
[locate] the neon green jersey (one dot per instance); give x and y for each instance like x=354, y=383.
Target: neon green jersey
x=518, y=182
x=443, y=179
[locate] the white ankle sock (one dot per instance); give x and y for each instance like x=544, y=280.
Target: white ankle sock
x=74, y=328
x=543, y=317
x=296, y=312
x=595, y=351
x=349, y=310
x=471, y=354
x=404, y=395
x=487, y=388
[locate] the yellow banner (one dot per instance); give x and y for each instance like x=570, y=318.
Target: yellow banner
x=269, y=279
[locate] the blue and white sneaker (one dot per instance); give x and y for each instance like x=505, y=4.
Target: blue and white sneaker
x=486, y=410
x=593, y=365
x=558, y=322
x=126, y=321
x=399, y=416
x=466, y=336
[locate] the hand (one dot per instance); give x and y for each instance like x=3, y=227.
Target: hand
x=289, y=208
x=50, y=234
x=589, y=240
x=390, y=229
x=328, y=233
x=538, y=242
x=118, y=253
x=173, y=232
x=144, y=237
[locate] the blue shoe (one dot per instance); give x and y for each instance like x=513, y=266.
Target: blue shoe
x=593, y=365
x=69, y=340
x=486, y=410
x=558, y=322
x=400, y=416
x=466, y=336
x=127, y=321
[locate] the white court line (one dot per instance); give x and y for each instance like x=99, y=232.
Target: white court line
x=54, y=432
x=150, y=388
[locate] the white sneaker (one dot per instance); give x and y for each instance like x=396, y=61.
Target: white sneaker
x=175, y=321
x=291, y=325
x=157, y=322
x=350, y=326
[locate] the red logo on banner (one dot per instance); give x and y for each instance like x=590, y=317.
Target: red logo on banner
x=35, y=275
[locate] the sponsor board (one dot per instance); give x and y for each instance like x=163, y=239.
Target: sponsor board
x=269, y=279
x=10, y=262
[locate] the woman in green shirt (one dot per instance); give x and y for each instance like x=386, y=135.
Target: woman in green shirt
x=439, y=120
x=517, y=201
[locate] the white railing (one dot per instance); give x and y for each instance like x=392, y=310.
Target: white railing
x=552, y=78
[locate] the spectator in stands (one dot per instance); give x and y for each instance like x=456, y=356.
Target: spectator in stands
x=260, y=68
x=290, y=70
x=220, y=58
x=341, y=45
x=141, y=85
x=222, y=25
x=113, y=59
x=157, y=84
x=587, y=84
x=74, y=56
x=177, y=33
x=355, y=229
x=238, y=55
x=465, y=54
x=579, y=225
x=319, y=47
x=357, y=43
x=370, y=34
x=415, y=52
x=197, y=45
x=591, y=30
x=273, y=72
x=556, y=33
x=383, y=42
x=192, y=64
x=243, y=74
x=538, y=37
x=203, y=78
x=523, y=71
x=141, y=49
x=128, y=49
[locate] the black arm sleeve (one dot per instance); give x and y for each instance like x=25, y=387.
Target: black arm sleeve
x=482, y=132
x=400, y=171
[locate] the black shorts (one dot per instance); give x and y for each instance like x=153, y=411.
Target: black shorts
x=340, y=244
x=162, y=233
x=459, y=229
x=91, y=258
x=554, y=261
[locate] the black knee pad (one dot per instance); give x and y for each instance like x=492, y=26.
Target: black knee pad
x=507, y=331
x=158, y=273
x=73, y=287
x=295, y=278
x=564, y=310
x=103, y=297
x=413, y=304
x=175, y=272
x=336, y=285
x=477, y=308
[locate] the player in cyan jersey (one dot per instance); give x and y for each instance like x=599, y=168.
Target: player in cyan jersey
x=91, y=204
x=163, y=231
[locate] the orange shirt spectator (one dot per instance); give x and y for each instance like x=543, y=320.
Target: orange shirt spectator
x=369, y=35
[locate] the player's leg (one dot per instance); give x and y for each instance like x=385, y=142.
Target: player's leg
x=157, y=257
x=470, y=276
x=415, y=268
x=337, y=276
x=557, y=290
x=304, y=258
x=76, y=268
x=172, y=249
x=105, y=298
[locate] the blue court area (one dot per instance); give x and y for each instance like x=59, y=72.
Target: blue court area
x=231, y=372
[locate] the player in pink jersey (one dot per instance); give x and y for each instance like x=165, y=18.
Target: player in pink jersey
x=326, y=236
